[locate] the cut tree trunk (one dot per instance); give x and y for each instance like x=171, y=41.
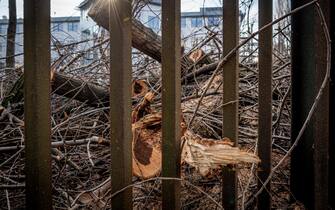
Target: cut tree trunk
x=143, y=38
x=205, y=155
x=82, y=91
x=92, y=95
x=69, y=87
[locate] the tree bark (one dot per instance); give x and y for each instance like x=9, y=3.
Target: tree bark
x=143, y=38
x=11, y=32
x=92, y=95
x=66, y=86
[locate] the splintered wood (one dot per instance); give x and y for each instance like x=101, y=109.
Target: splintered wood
x=207, y=154
x=201, y=153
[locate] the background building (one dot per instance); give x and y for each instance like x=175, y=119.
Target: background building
x=194, y=27
x=63, y=30
x=192, y=23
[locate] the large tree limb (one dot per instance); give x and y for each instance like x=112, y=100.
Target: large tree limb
x=69, y=87
x=92, y=95
x=143, y=38
x=88, y=93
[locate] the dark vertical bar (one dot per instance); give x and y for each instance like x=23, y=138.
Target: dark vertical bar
x=332, y=114
x=309, y=162
x=265, y=101
x=11, y=35
x=230, y=83
x=321, y=126
x=171, y=53
x=303, y=64
x=37, y=103
x=120, y=102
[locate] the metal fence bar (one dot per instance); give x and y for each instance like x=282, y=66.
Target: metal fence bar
x=171, y=83
x=309, y=160
x=303, y=74
x=120, y=102
x=265, y=101
x=230, y=93
x=37, y=104
x=332, y=113
x=321, y=128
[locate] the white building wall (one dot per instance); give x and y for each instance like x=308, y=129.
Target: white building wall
x=63, y=30
x=150, y=16
x=191, y=34
x=87, y=25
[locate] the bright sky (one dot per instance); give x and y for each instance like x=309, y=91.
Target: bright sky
x=58, y=7
x=68, y=7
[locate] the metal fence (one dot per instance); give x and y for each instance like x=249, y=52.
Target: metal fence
x=310, y=168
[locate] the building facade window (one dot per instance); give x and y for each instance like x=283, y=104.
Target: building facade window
x=153, y=22
x=57, y=27
x=3, y=29
x=196, y=22
x=72, y=26
x=213, y=21
x=183, y=22
x=19, y=28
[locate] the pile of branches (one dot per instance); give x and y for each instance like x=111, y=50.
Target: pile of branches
x=80, y=128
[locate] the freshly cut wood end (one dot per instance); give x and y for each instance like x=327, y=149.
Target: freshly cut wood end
x=208, y=154
x=196, y=55
x=147, y=145
x=147, y=156
x=146, y=160
x=201, y=153
x=139, y=88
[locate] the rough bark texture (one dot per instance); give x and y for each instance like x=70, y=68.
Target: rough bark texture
x=203, y=70
x=66, y=86
x=143, y=38
x=82, y=91
x=85, y=92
